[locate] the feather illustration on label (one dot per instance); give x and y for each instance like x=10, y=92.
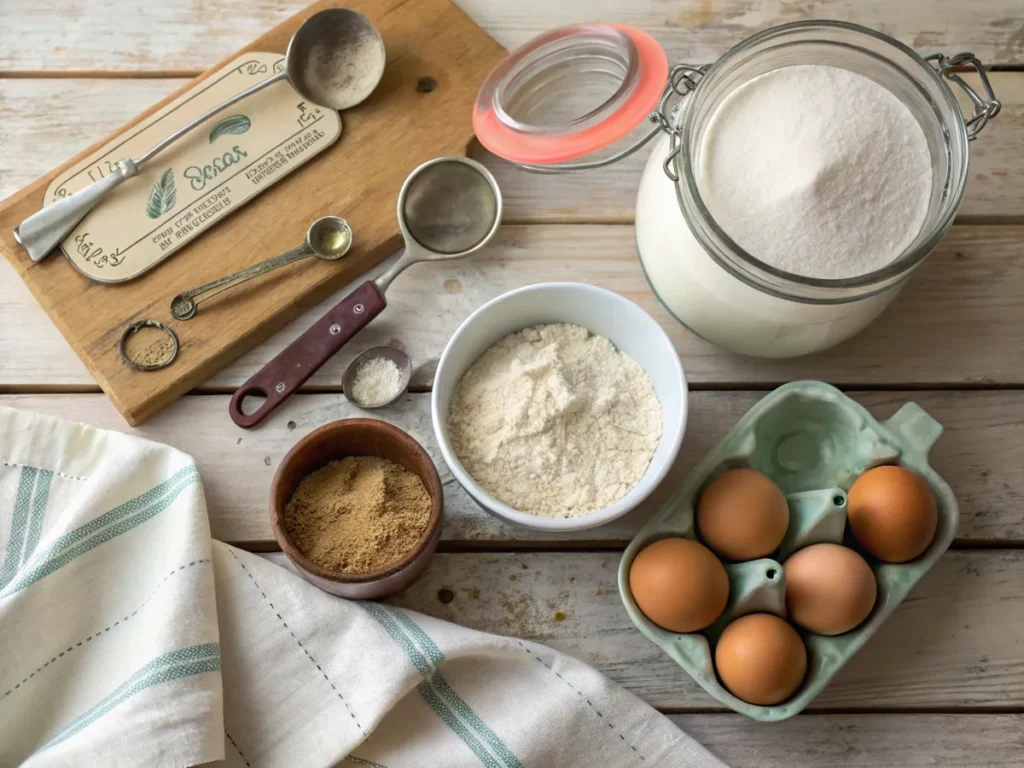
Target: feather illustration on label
x=163, y=196
x=235, y=124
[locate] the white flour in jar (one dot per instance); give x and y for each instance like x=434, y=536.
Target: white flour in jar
x=817, y=171
x=554, y=421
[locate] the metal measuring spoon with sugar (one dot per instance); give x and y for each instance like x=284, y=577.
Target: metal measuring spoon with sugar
x=335, y=59
x=448, y=208
x=328, y=238
x=397, y=357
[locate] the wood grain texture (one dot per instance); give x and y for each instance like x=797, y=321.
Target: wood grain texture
x=862, y=741
x=953, y=643
x=979, y=455
x=42, y=120
x=396, y=129
x=951, y=326
x=184, y=35
x=951, y=646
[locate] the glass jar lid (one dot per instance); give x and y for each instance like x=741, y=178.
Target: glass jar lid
x=570, y=92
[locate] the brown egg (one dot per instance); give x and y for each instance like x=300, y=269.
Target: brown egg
x=829, y=589
x=679, y=584
x=742, y=514
x=761, y=659
x=893, y=514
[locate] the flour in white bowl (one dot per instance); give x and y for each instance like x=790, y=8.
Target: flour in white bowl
x=816, y=170
x=555, y=421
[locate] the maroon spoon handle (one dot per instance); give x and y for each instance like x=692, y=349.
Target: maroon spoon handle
x=279, y=378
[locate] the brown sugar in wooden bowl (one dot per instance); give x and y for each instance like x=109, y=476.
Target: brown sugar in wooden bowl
x=336, y=441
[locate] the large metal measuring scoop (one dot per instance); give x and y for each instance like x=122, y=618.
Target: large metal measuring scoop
x=447, y=208
x=335, y=59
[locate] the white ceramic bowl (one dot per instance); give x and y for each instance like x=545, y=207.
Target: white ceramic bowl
x=600, y=311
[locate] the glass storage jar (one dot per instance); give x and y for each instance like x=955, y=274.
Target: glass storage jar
x=703, y=278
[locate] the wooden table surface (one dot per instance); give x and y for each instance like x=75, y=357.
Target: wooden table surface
x=941, y=684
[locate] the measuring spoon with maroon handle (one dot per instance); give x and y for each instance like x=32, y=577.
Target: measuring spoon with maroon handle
x=448, y=208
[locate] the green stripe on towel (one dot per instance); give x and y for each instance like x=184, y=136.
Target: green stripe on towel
x=54, y=559
x=184, y=662
x=132, y=505
x=448, y=717
x=473, y=719
x=39, y=502
x=26, y=485
x=384, y=619
x=442, y=686
x=359, y=761
x=421, y=637
x=436, y=691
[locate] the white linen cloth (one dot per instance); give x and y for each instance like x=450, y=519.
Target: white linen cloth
x=129, y=638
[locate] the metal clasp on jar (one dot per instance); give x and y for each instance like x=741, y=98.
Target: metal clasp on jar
x=984, y=108
x=681, y=76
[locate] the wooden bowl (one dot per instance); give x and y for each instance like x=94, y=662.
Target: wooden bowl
x=357, y=437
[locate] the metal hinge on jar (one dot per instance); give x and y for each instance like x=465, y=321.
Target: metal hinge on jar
x=984, y=108
x=680, y=76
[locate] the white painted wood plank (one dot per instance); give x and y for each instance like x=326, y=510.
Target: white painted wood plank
x=44, y=121
x=980, y=455
x=115, y=36
x=953, y=643
x=952, y=325
x=862, y=740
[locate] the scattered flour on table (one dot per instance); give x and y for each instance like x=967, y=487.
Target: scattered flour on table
x=554, y=421
x=816, y=170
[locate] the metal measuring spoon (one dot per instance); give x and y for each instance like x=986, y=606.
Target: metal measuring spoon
x=334, y=59
x=448, y=208
x=328, y=238
x=396, y=356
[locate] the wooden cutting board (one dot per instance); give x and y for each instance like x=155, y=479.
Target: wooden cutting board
x=436, y=60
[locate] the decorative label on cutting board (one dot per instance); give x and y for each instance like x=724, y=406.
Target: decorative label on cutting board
x=189, y=187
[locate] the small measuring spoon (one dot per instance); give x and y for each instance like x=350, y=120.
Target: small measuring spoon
x=335, y=59
x=397, y=356
x=328, y=238
x=448, y=208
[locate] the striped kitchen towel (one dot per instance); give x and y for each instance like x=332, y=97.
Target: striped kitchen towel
x=129, y=638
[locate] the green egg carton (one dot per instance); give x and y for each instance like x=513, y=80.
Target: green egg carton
x=813, y=441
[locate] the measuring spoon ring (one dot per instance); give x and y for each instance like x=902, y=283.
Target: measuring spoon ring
x=328, y=238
